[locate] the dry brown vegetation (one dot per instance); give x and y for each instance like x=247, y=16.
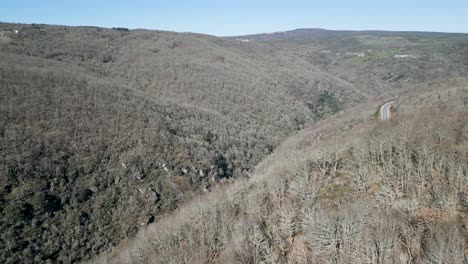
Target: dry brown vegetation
x=397, y=194
x=102, y=131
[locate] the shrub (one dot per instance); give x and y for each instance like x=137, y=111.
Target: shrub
x=43, y=202
x=17, y=212
x=121, y=29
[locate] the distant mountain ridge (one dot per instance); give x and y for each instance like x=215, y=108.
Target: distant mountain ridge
x=320, y=33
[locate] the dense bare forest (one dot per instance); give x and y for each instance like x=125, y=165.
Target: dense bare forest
x=106, y=130
x=363, y=193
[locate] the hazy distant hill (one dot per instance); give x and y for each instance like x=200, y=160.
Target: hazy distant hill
x=318, y=33
x=104, y=130
x=375, y=61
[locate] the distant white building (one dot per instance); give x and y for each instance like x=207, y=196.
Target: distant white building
x=401, y=56
x=3, y=33
x=358, y=54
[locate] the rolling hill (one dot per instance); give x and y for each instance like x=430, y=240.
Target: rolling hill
x=106, y=130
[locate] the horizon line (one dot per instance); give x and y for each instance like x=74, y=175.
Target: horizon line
x=240, y=35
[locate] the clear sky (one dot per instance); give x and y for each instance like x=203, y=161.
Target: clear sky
x=238, y=17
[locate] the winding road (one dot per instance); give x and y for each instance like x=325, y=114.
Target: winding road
x=385, y=113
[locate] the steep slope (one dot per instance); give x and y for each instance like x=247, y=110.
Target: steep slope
x=105, y=130
x=360, y=191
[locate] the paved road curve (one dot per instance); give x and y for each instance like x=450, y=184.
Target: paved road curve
x=385, y=113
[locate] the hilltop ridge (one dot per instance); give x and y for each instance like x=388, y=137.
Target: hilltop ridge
x=104, y=131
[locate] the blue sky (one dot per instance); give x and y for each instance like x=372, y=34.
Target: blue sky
x=243, y=17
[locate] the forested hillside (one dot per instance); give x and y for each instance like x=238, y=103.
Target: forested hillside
x=375, y=61
x=361, y=192
x=105, y=130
